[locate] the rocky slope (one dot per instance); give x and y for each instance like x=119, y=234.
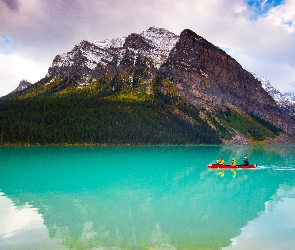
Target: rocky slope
x=206, y=74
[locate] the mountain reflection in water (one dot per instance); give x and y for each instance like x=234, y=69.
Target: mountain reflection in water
x=142, y=197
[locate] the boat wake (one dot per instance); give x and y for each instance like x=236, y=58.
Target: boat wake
x=276, y=168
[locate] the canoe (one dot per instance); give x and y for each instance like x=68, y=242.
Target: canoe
x=218, y=166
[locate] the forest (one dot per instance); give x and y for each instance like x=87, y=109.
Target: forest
x=116, y=111
x=86, y=119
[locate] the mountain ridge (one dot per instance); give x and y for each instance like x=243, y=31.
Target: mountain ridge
x=112, y=51
x=283, y=100
x=175, y=71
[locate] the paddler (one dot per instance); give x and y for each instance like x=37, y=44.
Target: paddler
x=246, y=161
x=233, y=162
x=220, y=161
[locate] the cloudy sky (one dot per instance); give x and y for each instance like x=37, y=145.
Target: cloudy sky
x=259, y=34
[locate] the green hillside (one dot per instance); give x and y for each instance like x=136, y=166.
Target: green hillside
x=112, y=111
x=88, y=119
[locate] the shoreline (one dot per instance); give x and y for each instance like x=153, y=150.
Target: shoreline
x=239, y=139
x=132, y=145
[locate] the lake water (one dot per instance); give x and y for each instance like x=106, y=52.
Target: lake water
x=154, y=197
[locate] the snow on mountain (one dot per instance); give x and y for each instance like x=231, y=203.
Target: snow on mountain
x=93, y=52
x=162, y=42
x=282, y=100
x=290, y=94
x=275, y=94
x=103, y=52
x=23, y=85
x=109, y=43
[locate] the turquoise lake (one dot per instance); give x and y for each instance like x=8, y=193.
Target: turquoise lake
x=146, y=197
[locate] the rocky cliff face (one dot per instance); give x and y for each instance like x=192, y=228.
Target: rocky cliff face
x=207, y=75
x=202, y=73
x=214, y=73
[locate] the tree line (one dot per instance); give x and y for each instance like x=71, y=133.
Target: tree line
x=90, y=119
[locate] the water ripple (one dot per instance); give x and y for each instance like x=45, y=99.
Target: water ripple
x=276, y=168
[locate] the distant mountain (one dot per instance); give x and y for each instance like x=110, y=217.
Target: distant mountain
x=285, y=101
x=185, y=80
x=290, y=94
x=23, y=85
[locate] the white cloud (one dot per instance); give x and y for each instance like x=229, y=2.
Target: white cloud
x=285, y=15
x=262, y=233
x=13, y=220
x=23, y=226
x=15, y=67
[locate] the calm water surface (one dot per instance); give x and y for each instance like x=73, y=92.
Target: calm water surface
x=157, y=197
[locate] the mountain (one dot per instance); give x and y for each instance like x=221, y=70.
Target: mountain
x=283, y=100
x=290, y=94
x=90, y=58
x=23, y=85
x=151, y=87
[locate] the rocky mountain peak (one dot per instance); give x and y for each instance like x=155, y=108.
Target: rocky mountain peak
x=85, y=57
x=188, y=34
x=137, y=42
x=23, y=85
x=161, y=38
x=186, y=54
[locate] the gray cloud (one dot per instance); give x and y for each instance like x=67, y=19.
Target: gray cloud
x=13, y=5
